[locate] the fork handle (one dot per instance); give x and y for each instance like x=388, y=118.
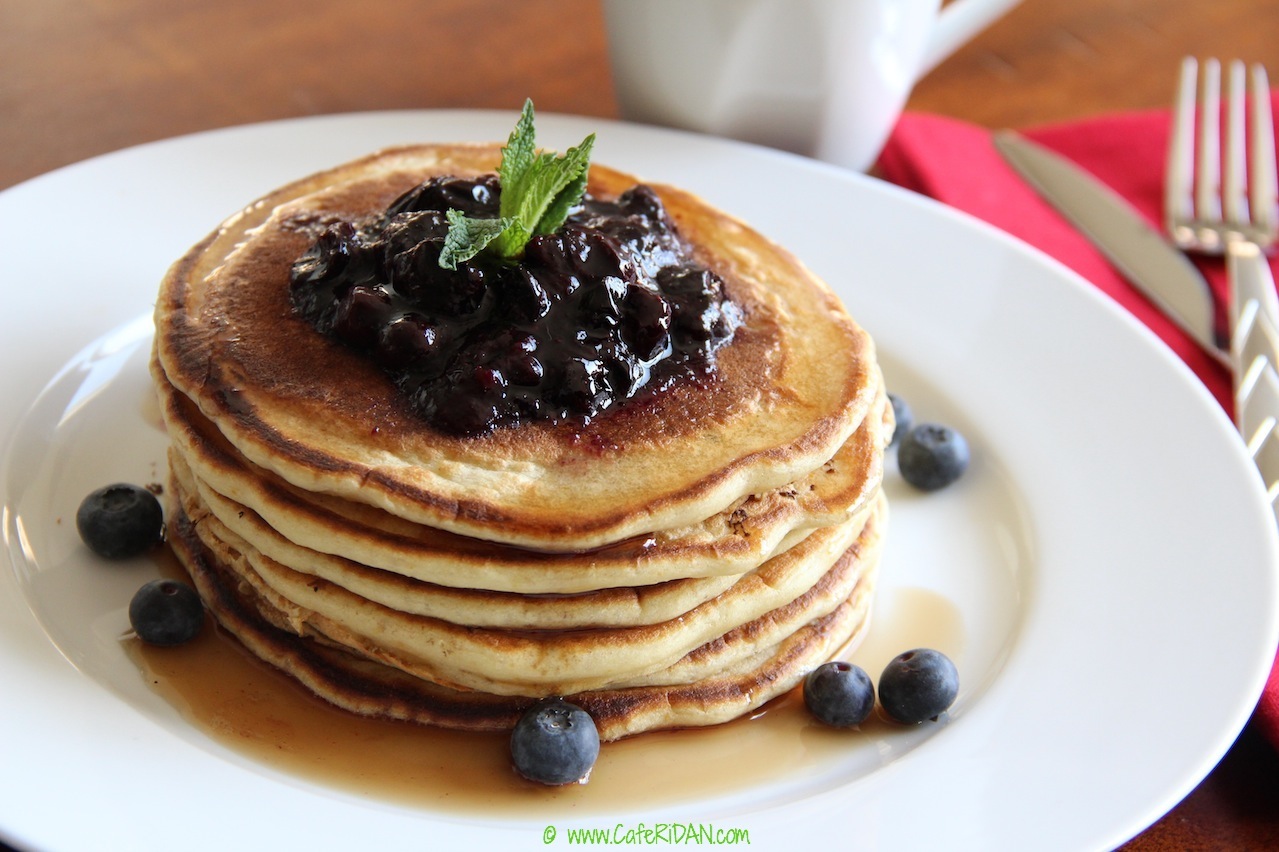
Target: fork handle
x=1254, y=353
x=1250, y=279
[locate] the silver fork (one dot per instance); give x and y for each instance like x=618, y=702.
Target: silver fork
x=1227, y=203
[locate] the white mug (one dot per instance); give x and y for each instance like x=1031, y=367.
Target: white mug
x=823, y=78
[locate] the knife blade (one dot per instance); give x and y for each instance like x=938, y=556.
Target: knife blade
x=1141, y=253
x=1249, y=349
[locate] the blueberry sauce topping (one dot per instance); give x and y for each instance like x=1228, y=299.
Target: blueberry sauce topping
x=608, y=307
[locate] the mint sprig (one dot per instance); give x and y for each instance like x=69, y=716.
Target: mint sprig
x=539, y=191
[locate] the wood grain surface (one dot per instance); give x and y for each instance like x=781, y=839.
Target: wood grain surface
x=84, y=77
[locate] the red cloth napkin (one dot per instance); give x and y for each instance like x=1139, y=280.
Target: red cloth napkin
x=957, y=164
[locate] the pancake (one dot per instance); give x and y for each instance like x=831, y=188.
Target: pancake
x=795, y=383
x=370, y=688
x=533, y=660
x=275, y=516
x=609, y=607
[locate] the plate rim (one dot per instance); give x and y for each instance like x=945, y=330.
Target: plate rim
x=566, y=124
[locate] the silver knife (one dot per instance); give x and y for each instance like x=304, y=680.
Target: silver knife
x=1144, y=256
x=1161, y=271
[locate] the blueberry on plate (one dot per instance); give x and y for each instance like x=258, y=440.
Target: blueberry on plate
x=932, y=456
x=918, y=685
x=555, y=742
x=839, y=694
x=166, y=612
x=119, y=521
x=904, y=417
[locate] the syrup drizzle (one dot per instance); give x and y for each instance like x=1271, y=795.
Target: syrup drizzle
x=250, y=708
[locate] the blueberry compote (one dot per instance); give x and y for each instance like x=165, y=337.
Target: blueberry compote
x=610, y=305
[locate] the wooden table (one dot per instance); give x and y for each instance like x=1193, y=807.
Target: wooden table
x=83, y=77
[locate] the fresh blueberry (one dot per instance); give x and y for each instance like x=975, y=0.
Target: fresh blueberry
x=119, y=521
x=932, y=456
x=555, y=742
x=903, y=415
x=166, y=612
x=839, y=694
x=918, y=685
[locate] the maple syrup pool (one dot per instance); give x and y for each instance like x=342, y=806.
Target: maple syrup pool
x=252, y=709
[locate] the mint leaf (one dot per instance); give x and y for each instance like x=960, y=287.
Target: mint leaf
x=468, y=237
x=539, y=191
x=568, y=177
x=519, y=153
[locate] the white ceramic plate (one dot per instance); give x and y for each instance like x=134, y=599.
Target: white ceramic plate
x=1108, y=556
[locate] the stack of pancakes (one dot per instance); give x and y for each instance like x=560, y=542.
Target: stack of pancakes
x=678, y=561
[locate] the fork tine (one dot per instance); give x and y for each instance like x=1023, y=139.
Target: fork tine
x=1234, y=201
x=1178, y=197
x=1263, y=188
x=1208, y=164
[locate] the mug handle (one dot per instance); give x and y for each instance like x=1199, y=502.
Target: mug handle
x=957, y=22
